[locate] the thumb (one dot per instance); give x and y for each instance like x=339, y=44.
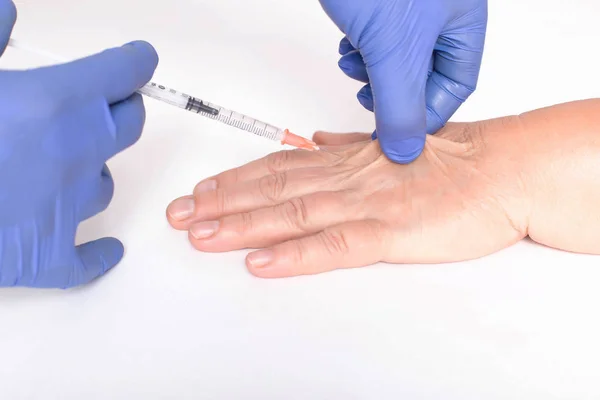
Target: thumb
x=8, y=17
x=398, y=85
x=94, y=259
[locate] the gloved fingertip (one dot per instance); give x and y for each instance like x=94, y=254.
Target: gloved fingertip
x=345, y=46
x=403, y=151
x=366, y=101
x=140, y=44
x=8, y=17
x=96, y=258
x=145, y=48
x=366, y=91
x=105, y=173
x=343, y=65
x=353, y=66
x=349, y=61
x=112, y=251
x=365, y=97
x=8, y=12
x=129, y=117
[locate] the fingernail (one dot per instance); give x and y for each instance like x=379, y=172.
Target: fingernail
x=206, y=186
x=182, y=209
x=260, y=259
x=204, y=230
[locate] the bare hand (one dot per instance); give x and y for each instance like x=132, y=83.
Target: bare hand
x=349, y=206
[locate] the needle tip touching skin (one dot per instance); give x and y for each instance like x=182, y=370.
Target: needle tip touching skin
x=298, y=141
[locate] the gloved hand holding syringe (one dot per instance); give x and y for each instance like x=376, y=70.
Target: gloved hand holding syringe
x=206, y=109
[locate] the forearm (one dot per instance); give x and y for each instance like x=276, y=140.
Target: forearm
x=560, y=153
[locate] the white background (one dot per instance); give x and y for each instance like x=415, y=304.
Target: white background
x=173, y=323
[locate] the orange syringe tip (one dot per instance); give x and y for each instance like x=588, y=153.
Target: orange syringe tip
x=298, y=141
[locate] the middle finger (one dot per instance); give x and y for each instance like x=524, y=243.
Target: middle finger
x=269, y=226
x=267, y=191
x=275, y=163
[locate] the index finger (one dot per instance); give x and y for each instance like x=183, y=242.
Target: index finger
x=273, y=164
x=115, y=74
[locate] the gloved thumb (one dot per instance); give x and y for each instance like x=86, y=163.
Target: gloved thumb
x=94, y=259
x=8, y=17
x=398, y=85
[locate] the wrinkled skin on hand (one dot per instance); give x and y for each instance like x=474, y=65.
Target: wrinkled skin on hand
x=349, y=206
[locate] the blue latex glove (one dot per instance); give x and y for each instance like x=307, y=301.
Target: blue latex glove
x=420, y=58
x=58, y=127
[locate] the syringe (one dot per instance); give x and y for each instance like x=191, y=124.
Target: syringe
x=206, y=109
x=229, y=117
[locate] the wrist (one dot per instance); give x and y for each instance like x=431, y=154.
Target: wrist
x=561, y=158
x=497, y=150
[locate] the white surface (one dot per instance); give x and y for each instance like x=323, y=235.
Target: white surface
x=173, y=323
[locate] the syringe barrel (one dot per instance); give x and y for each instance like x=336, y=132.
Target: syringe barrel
x=213, y=111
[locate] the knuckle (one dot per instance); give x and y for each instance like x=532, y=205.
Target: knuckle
x=272, y=187
x=335, y=242
x=296, y=213
x=298, y=252
x=221, y=201
x=235, y=175
x=246, y=223
x=278, y=162
x=376, y=230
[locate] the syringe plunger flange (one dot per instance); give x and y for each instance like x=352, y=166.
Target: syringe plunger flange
x=198, y=106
